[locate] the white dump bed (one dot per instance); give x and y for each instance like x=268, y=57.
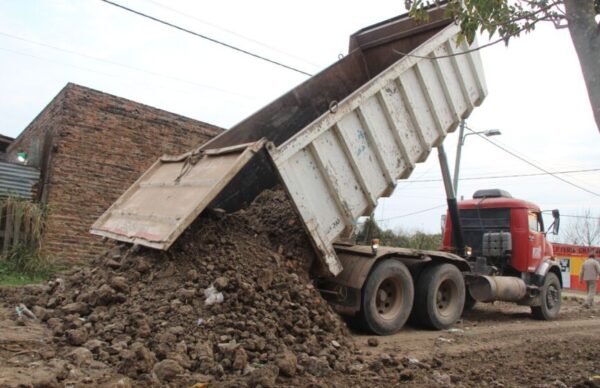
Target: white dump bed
x=334, y=167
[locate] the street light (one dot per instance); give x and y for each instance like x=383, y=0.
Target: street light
x=461, y=141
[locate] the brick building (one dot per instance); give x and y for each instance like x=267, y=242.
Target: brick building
x=5, y=141
x=90, y=147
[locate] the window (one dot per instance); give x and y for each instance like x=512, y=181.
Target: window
x=485, y=219
x=535, y=223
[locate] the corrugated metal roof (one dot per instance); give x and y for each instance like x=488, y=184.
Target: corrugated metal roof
x=17, y=179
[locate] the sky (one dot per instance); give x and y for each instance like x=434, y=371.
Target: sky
x=536, y=94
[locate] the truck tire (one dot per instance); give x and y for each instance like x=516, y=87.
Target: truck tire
x=440, y=296
x=387, y=297
x=550, y=299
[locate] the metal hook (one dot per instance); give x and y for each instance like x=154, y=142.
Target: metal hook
x=333, y=106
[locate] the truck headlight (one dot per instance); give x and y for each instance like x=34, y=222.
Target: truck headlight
x=468, y=251
x=374, y=245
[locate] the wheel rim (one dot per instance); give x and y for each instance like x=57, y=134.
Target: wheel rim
x=552, y=297
x=446, y=298
x=388, y=298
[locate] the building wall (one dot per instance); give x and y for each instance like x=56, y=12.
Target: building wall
x=37, y=140
x=98, y=146
x=571, y=258
x=5, y=141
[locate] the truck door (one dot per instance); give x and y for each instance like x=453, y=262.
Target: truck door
x=535, y=241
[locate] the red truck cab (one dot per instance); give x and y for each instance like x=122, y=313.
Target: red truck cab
x=495, y=211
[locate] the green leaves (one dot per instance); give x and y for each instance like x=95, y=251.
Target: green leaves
x=502, y=18
x=418, y=10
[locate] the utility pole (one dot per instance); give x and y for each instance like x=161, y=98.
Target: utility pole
x=461, y=142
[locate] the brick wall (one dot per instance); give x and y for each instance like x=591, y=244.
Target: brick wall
x=99, y=145
x=37, y=140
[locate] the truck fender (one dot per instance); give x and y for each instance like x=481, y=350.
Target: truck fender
x=548, y=265
x=344, y=291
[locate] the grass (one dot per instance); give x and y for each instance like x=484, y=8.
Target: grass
x=24, y=263
x=15, y=280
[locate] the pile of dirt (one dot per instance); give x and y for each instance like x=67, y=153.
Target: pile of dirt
x=147, y=314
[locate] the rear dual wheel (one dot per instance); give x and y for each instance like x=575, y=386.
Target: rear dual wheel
x=387, y=298
x=440, y=296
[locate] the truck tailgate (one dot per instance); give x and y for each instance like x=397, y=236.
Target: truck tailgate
x=171, y=194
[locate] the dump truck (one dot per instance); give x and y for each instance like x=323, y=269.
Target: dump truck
x=336, y=143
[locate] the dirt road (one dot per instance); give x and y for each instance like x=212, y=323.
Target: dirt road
x=493, y=345
x=500, y=345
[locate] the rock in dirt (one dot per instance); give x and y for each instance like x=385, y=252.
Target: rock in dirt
x=40, y=312
x=123, y=383
x=94, y=345
x=374, y=342
x=167, y=370
x=80, y=356
x=113, y=264
x=240, y=359
x=119, y=283
x=265, y=279
x=287, y=363
x=317, y=367
x=441, y=378
x=76, y=308
x=265, y=377
x=76, y=337
x=221, y=283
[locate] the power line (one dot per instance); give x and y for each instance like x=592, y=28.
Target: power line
x=87, y=69
x=129, y=67
x=574, y=216
x=531, y=159
x=411, y=214
x=233, y=33
x=206, y=37
x=57, y=62
x=533, y=164
x=441, y=206
x=510, y=176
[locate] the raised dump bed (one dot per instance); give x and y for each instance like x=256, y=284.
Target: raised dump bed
x=337, y=142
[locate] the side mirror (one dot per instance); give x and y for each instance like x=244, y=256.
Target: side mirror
x=556, y=223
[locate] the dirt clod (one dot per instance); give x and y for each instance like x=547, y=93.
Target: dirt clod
x=167, y=370
x=374, y=342
x=76, y=337
x=76, y=308
x=264, y=377
x=287, y=363
x=80, y=356
x=221, y=283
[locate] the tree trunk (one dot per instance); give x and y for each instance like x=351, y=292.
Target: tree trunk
x=585, y=33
